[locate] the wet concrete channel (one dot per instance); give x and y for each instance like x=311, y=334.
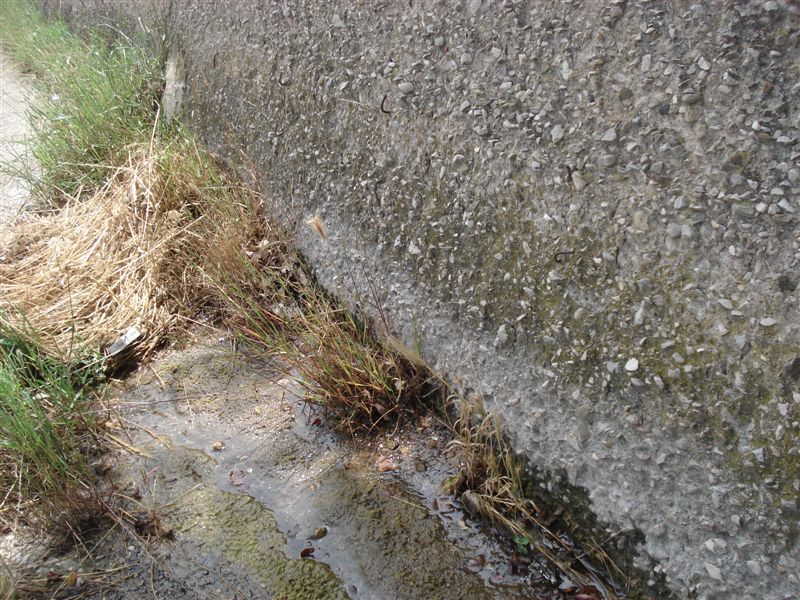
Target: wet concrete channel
x=262, y=500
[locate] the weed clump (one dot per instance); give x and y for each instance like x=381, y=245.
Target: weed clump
x=47, y=432
x=360, y=379
x=344, y=368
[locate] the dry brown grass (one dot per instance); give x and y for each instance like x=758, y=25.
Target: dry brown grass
x=132, y=254
x=491, y=484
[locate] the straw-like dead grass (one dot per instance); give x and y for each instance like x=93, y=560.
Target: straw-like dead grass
x=131, y=254
x=492, y=483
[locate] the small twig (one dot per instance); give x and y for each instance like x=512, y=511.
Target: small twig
x=412, y=504
x=160, y=381
x=361, y=104
x=383, y=103
x=127, y=447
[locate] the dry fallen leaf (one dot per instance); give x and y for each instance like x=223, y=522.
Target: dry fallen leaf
x=236, y=477
x=386, y=464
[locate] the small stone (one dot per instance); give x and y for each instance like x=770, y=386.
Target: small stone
x=632, y=365
x=770, y=6
x=686, y=231
x=466, y=59
x=691, y=99
x=502, y=336
x=557, y=134
x=703, y=64
x=471, y=502
x=526, y=248
x=609, y=135
x=578, y=181
x=754, y=566
x=438, y=41
x=767, y=322
x=413, y=249
x=725, y=303
x=406, y=87
x=319, y=533
x=565, y=70
x=674, y=230
x=786, y=206
x=736, y=179
x=218, y=446
x=741, y=341
x=794, y=175
x=608, y=160
x=713, y=571
x=638, y=318
x=464, y=106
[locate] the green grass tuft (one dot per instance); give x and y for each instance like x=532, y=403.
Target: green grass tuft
x=94, y=99
x=46, y=430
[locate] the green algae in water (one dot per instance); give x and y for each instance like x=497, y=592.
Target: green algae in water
x=402, y=548
x=240, y=530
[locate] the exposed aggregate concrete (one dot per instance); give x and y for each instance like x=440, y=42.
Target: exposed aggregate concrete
x=585, y=212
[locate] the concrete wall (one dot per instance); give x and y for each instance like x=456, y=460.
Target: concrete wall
x=585, y=211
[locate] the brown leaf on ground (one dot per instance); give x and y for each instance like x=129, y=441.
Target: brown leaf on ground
x=236, y=477
x=386, y=464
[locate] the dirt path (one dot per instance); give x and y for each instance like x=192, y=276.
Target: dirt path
x=15, y=92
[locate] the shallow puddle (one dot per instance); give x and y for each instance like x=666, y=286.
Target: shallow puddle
x=259, y=493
